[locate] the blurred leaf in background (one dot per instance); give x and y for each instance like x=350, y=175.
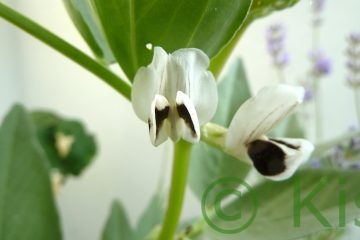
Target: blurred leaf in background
x=276, y=215
x=85, y=18
x=131, y=26
x=27, y=207
x=209, y=164
x=68, y=146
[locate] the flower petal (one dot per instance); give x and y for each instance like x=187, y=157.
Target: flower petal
x=160, y=109
x=159, y=60
x=278, y=158
x=146, y=85
x=201, y=85
x=261, y=113
x=187, y=112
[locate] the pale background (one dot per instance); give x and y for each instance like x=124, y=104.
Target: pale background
x=127, y=166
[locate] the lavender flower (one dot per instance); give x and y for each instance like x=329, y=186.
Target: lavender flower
x=353, y=60
x=309, y=94
x=275, y=38
x=321, y=64
x=354, y=38
x=316, y=163
x=317, y=5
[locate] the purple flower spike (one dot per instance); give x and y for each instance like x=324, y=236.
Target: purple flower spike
x=318, y=5
x=275, y=39
x=353, y=60
x=309, y=94
x=316, y=163
x=354, y=38
x=322, y=65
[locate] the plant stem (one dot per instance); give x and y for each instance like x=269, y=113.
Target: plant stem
x=318, y=116
x=280, y=73
x=181, y=160
x=218, y=62
x=357, y=104
x=66, y=49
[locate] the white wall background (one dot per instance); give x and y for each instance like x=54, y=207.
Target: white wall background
x=127, y=165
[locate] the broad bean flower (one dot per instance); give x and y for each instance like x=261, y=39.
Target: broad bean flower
x=274, y=158
x=175, y=94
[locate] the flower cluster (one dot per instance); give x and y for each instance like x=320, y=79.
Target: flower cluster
x=353, y=60
x=317, y=6
x=321, y=64
x=176, y=94
x=275, y=38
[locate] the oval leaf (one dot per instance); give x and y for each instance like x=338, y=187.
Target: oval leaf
x=277, y=214
x=117, y=225
x=85, y=19
x=27, y=208
x=130, y=25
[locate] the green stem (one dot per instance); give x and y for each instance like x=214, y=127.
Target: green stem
x=218, y=62
x=180, y=167
x=280, y=73
x=318, y=116
x=66, y=49
x=215, y=136
x=357, y=104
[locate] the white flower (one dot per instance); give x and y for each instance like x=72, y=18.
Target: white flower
x=175, y=94
x=275, y=158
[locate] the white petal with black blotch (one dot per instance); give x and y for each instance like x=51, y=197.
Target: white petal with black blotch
x=276, y=159
x=259, y=114
x=180, y=80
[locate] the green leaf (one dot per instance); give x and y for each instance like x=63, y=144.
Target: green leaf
x=262, y=8
x=327, y=234
x=233, y=91
x=209, y=164
x=290, y=127
x=275, y=214
x=51, y=128
x=27, y=208
x=130, y=25
x=117, y=225
x=258, y=9
x=85, y=19
x=151, y=217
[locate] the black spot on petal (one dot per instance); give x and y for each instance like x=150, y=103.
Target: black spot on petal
x=160, y=116
x=285, y=143
x=268, y=158
x=184, y=114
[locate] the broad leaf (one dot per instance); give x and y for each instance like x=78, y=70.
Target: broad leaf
x=51, y=128
x=233, y=91
x=131, y=25
x=117, y=225
x=151, y=217
x=27, y=208
x=290, y=127
x=258, y=9
x=262, y=8
x=85, y=19
x=209, y=164
x=277, y=216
